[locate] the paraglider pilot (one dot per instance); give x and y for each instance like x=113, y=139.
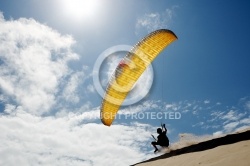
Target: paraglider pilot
x=162, y=139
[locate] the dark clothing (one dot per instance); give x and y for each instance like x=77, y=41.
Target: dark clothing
x=162, y=139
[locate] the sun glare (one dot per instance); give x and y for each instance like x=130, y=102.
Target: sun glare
x=79, y=9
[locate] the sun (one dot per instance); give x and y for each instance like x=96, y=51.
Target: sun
x=80, y=9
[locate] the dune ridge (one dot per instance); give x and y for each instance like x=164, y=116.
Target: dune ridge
x=207, y=145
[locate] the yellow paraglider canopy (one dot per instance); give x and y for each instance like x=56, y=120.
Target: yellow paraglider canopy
x=130, y=69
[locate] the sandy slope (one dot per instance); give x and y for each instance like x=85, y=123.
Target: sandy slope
x=237, y=154
x=230, y=150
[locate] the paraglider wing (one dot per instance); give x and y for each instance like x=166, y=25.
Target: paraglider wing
x=130, y=69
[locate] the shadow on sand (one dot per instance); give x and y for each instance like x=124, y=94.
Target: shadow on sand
x=228, y=139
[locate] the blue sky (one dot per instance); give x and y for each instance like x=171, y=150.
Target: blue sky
x=49, y=105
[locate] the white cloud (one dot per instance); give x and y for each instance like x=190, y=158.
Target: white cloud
x=186, y=107
x=248, y=105
x=218, y=133
x=91, y=88
x=71, y=89
x=34, y=61
x=206, y=102
x=172, y=107
x=35, y=76
x=9, y=108
x=63, y=141
x=245, y=121
x=231, y=126
x=242, y=128
x=232, y=115
x=154, y=21
x=198, y=124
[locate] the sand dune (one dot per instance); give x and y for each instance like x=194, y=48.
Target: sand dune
x=230, y=150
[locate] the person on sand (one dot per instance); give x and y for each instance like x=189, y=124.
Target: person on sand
x=162, y=139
